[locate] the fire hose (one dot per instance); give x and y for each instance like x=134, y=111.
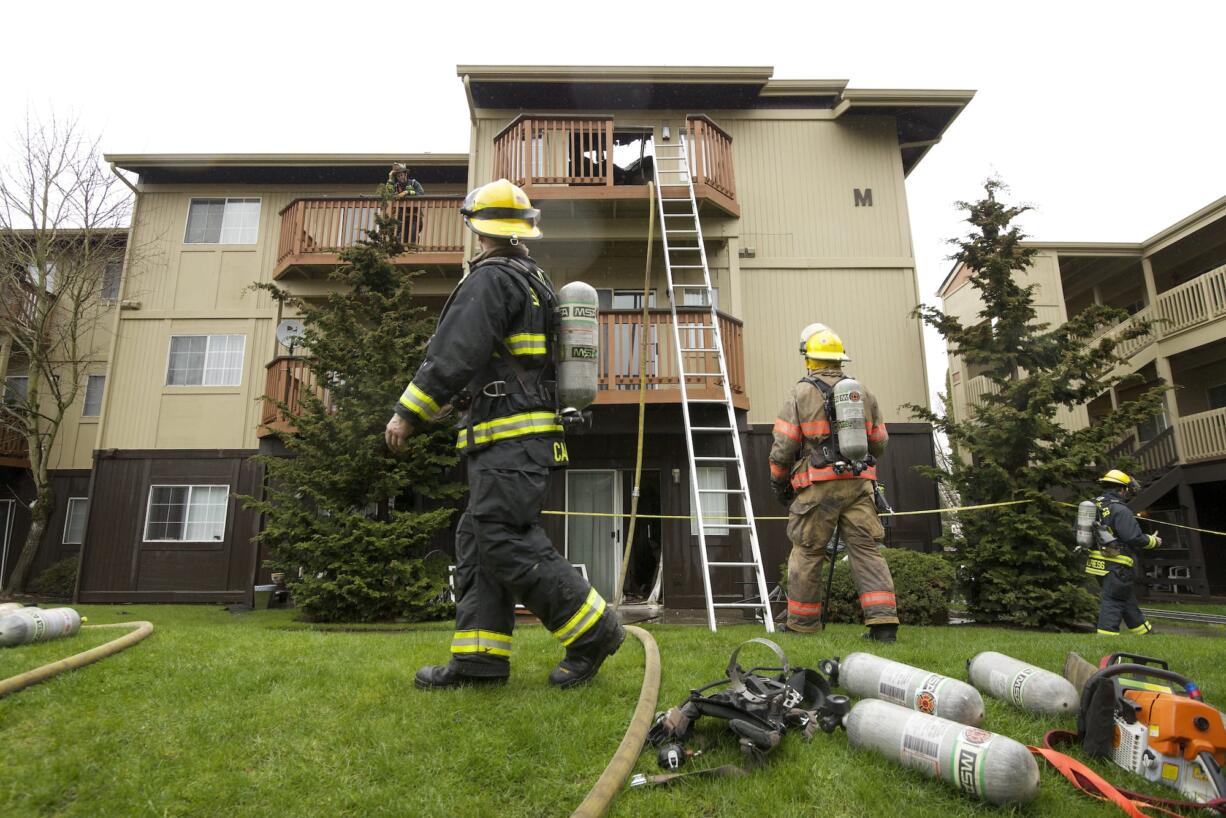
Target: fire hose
x=141, y=629
x=614, y=776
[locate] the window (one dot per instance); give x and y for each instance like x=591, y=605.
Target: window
x=110, y=280
x=222, y=221
x=697, y=297
x=1217, y=396
x=74, y=520
x=187, y=513
x=714, y=506
x=93, y=396
x=52, y=275
x=624, y=299
x=205, y=360
x=16, y=387
x=1148, y=429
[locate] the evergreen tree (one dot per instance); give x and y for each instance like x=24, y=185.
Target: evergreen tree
x=1018, y=563
x=345, y=518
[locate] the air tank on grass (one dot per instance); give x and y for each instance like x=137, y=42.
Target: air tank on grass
x=37, y=625
x=867, y=676
x=1030, y=688
x=983, y=765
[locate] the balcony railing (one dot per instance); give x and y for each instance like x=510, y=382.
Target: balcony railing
x=1153, y=457
x=620, y=336
x=290, y=379
x=1194, y=302
x=978, y=387
x=544, y=153
x=1203, y=435
x=313, y=231
x=14, y=450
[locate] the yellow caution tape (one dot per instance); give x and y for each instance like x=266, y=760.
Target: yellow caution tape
x=720, y=517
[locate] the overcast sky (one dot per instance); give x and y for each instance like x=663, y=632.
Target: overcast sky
x=1109, y=117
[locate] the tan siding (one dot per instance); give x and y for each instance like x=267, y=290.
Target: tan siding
x=879, y=333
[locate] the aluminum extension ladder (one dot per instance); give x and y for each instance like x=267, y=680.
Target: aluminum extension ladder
x=685, y=253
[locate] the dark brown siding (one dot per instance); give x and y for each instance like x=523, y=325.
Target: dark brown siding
x=66, y=483
x=119, y=566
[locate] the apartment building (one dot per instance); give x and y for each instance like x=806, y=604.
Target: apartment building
x=800, y=189
x=1175, y=279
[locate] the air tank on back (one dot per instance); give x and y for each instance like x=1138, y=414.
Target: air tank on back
x=37, y=625
x=1087, y=513
x=867, y=676
x=849, y=429
x=1030, y=688
x=984, y=765
x=578, y=359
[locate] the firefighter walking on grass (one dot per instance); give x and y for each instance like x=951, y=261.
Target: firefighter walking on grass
x=1112, y=558
x=825, y=489
x=494, y=347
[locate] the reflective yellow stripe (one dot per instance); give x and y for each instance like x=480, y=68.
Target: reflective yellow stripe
x=1102, y=632
x=419, y=403
x=526, y=343
x=1095, y=565
x=585, y=618
x=525, y=423
x=1144, y=627
x=478, y=641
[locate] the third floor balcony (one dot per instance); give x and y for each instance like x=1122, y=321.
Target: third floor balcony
x=595, y=158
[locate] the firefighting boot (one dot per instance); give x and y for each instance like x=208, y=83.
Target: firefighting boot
x=436, y=677
x=582, y=663
x=882, y=633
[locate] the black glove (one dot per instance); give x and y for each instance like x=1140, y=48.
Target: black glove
x=784, y=492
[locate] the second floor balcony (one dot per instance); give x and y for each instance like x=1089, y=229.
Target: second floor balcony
x=290, y=378
x=315, y=230
x=595, y=158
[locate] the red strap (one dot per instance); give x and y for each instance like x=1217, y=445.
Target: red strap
x=1089, y=782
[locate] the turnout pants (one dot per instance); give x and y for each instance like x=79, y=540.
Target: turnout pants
x=814, y=514
x=1118, y=601
x=503, y=555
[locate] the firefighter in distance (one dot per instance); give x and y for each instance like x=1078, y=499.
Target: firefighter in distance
x=824, y=489
x=1117, y=540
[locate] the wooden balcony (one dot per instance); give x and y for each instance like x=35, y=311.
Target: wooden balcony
x=14, y=450
x=571, y=158
x=1203, y=436
x=314, y=231
x=620, y=334
x=290, y=379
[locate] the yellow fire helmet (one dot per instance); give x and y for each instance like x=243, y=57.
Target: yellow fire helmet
x=823, y=344
x=1115, y=477
x=500, y=210
x=809, y=331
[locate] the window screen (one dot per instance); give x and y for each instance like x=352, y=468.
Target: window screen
x=93, y=396
x=222, y=221
x=205, y=360
x=74, y=520
x=187, y=513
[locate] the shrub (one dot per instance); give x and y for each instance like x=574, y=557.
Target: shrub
x=923, y=583
x=58, y=580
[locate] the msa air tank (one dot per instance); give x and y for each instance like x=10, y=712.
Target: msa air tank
x=867, y=676
x=1086, y=515
x=9, y=607
x=849, y=431
x=579, y=349
x=37, y=625
x=983, y=765
x=1026, y=686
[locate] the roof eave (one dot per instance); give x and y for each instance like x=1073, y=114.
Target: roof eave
x=133, y=161
x=616, y=73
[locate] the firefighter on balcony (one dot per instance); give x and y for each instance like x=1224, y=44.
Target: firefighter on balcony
x=827, y=438
x=400, y=185
x=1115, y=537
x=494, y=347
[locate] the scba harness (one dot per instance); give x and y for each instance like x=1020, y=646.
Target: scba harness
x=760, y=704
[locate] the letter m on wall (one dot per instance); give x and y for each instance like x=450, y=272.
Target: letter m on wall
x=864, y=198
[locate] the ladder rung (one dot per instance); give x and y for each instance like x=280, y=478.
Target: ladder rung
x=703, y=374
x=695, y=326
x=719, y=491
x=700, y=349
x=686, y=266
x=737, y=605
x=726, y=525
x=682, y=231
x=689, y=215
x=711, y=429
x=712, y=459
x=685, y=247
x=732, y=565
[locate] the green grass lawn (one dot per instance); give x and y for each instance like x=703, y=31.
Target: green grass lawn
x=252, y=715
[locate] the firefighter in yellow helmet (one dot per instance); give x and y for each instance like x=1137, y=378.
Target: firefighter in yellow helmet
x=826, y=488
x=493, y=352
x=1117, y=539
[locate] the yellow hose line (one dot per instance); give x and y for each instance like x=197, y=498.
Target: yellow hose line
x=38, y=674
x=614, y=776
x=687, y=517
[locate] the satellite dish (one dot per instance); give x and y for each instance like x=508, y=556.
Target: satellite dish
x=289, y=331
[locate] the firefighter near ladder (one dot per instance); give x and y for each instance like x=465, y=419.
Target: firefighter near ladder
x=495, y=355
x=828, y=437
x=1108, y=531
